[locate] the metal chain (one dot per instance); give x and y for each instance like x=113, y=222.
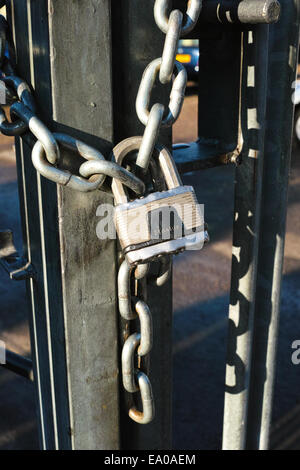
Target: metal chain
x=46, y=149
x=132, y=289
x=132, y=304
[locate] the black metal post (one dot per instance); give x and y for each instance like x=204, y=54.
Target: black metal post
x=64, y=51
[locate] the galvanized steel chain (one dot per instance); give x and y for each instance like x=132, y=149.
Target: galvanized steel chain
x=46, y=149
x=132, y=293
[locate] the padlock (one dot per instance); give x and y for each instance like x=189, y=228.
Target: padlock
x=163, y=222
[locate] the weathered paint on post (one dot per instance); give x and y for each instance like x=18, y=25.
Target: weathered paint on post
x=82, y=99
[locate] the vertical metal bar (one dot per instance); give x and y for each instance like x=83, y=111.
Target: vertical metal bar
x=80, y=51
x=136, y=42
x=283, y=60
x=248, y=186
x=29, y=203
x=64, y=50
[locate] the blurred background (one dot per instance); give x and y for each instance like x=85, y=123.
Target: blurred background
x=201, y=297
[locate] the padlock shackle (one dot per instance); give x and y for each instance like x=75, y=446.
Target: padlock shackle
x=168, y=167
x=160, y=154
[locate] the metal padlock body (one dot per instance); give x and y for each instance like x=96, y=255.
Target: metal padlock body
x=165, y=222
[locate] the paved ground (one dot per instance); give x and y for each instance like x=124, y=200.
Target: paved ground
x=201, y=284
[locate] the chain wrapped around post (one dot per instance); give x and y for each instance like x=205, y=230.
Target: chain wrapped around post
x=25, y=123
x=92, y=173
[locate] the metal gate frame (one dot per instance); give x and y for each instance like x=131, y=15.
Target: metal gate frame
x=74, y=320
x=89, y=91
x=259, y=231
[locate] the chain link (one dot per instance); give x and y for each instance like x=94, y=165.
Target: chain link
x=193, y=11
x=176, y=96
x=22, y=91
x=132, y=281
x=170, y=47
x=150, y=136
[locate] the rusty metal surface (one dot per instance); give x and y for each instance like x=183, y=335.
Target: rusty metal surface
x=196, y=156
